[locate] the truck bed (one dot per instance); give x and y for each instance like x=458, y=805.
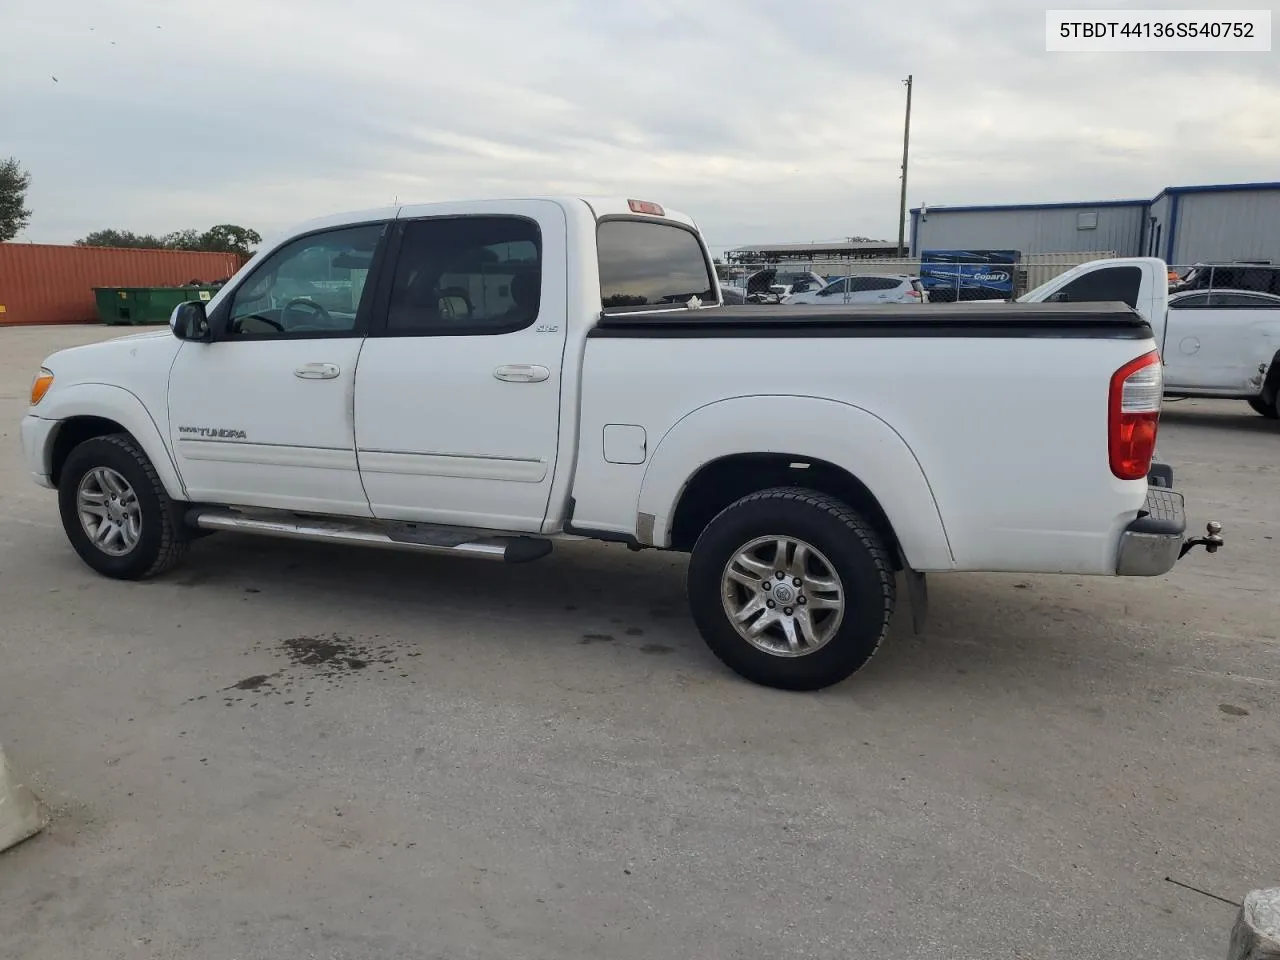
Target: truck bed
x=1094, y=321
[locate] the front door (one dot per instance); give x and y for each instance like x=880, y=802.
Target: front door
x=458, y=389
x=263, y=415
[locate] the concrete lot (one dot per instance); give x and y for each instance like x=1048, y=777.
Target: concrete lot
x=280, y=751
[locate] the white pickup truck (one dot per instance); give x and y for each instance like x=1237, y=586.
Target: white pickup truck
x=480, y=379
x=1219, y=342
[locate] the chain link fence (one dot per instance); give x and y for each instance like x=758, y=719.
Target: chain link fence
x=745, y=281
x=913, y=280
x=1226, y=284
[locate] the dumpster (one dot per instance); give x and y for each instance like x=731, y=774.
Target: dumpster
x=134, y=305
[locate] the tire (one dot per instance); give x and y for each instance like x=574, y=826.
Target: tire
x=1269, y=410
x=112, y=474
x=838, y=541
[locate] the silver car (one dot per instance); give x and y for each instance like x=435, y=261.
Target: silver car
x=866, y=288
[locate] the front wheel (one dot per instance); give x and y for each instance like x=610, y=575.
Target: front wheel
x=115, y=510
x=791, y=588
x=1270, y=410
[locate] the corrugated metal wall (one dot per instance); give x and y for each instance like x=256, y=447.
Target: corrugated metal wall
x=44, y=283
x=1044, y=231
x=1237, y=225
x=1156, y=240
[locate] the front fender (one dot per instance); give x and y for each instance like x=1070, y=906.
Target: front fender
x=118, y=404
x=805, y=427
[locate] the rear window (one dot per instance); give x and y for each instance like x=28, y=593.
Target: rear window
x=643, y=265
x=1107, y=283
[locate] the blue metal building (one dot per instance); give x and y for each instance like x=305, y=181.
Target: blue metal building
x=1183, y=225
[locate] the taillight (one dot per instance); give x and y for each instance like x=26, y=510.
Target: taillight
x=646, y=206
x=1133, y=416
x=914, y=293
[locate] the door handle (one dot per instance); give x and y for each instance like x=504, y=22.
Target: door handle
x=522, y=373
x=317, y=371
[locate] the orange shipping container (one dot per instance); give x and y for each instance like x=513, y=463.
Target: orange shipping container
x=47, y=283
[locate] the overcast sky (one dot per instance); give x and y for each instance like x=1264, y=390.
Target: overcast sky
x=766, y=120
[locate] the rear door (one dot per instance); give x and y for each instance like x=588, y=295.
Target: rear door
x=457, y=392
x=1210, y=336
x=872, y=289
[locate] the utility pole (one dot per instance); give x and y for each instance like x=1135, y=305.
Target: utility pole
x=902, y=202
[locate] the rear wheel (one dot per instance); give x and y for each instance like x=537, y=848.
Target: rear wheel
x=115, y=510
x=791, y=588
x=1270, y=410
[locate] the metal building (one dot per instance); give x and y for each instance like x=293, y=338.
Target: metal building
x=1183, y=225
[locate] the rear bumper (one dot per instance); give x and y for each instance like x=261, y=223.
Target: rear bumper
x=1152, y=544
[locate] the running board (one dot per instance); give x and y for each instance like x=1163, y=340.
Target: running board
x=412, y=537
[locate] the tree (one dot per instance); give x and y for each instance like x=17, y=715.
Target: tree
x=183, y=240
x=121, y=238
x=229, y=238
x=14, y=214
x=224, y=238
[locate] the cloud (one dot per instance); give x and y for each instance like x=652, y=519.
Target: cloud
x=765, y=121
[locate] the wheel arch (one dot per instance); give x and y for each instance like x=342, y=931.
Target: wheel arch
x=1270, y=392
x=730, y=448
x=85, y=411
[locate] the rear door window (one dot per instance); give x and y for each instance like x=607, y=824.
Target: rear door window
x=1107, y=284
x=465, y=276
x=645, y=265
x=882, y=283
x=1234, y=299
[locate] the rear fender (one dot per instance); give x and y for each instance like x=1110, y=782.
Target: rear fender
x=804, y=427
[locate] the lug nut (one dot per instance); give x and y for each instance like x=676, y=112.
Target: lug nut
x=802, y=601
x=765, y=585
x=780, y=575
x=798, y=582
x=787, y=611
x=770, y=604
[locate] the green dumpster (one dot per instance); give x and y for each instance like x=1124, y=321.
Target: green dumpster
x=135, y=305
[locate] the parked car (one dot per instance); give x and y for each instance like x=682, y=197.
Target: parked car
x=520, y=372
x=787, y=283
x=755, y=287
x=866, y=288
x=1215, y=343
x=1258, y=277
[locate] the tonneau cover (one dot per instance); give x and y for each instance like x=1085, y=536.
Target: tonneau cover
x=993, y=320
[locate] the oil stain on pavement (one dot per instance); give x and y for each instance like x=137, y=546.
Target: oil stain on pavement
x=314, y=662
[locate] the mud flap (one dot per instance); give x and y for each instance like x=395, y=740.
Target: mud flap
x=918, y=594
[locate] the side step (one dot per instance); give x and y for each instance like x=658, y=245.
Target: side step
x=414, y=537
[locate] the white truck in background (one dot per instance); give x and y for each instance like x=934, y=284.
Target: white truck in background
x=1214, y=342
x=482, y=379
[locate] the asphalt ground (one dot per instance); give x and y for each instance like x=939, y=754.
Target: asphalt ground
x=282, y=750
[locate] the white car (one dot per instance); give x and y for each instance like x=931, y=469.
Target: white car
x=866, y=288
x=786, y=284
x=488, y=378
x=1215, y=343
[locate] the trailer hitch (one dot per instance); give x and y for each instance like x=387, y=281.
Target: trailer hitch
x=1211, y=541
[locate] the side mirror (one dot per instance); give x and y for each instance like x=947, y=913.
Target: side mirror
x=189, y=322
